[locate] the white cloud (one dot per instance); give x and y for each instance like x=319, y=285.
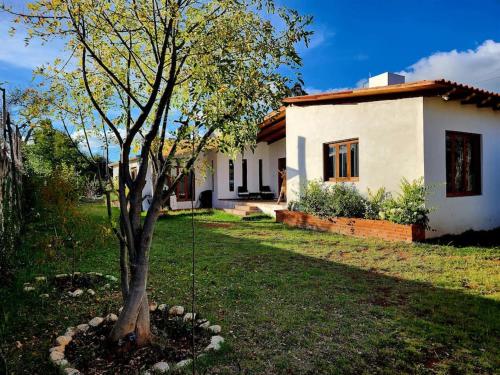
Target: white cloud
x=14, y=50
x=479, y=67
x=313, y=91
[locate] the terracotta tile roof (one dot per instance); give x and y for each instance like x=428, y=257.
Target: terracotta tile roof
x=449, y=89
x=273, y=127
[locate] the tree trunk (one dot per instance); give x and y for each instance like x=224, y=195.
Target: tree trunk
x=134, y=318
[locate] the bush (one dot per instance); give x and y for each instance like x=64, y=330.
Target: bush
x=342, y=200
x=374, y=203
x=409, y=206
x=330, y=201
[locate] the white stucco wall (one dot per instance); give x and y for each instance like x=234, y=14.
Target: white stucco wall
x=390, y=137
x=458, y=214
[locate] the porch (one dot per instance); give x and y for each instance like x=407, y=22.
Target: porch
x=247, y=207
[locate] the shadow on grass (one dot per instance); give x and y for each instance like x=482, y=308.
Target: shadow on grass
x=282, y=311
x=490, y=239
x=293, y=313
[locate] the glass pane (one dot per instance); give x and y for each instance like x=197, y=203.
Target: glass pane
x=331, y=161
x=343, y=161
x=354, y=160
x=231, y=175
x=189, y=184
x=474, y=176
x=181, y=188
x=449, y=172
x=458, y=175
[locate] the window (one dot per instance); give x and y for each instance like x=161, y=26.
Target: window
x=231, y=175
x=184, y=189
x=260, y=174
x=245, y=175
x=341, y=161
x=463, y=164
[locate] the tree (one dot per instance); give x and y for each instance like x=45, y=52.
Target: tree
x=158, y=74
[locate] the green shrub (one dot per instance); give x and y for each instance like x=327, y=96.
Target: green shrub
x=408, y=207
x=374, y=203
x=330, y=201
x=343, y=200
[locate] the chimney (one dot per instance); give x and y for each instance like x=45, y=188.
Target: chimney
x=386, y=79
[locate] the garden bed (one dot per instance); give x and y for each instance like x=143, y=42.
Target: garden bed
x=365, y=228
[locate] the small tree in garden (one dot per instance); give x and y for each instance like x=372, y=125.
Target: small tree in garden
x=160, y=75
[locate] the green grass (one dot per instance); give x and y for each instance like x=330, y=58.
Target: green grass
x=289, y=301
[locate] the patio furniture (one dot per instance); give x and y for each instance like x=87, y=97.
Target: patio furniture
x=266, y=193
x=243, y=192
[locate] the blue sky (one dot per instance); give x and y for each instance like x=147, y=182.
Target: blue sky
x=458, y=39
x=426, y=39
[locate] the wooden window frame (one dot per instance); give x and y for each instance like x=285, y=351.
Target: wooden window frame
x=337, y=144
x=455, y=194
x=185, y=182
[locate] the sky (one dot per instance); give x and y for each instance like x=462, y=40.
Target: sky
x=353, y=40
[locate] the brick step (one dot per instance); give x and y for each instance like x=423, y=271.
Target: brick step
x=237, y=212
x=247, y=208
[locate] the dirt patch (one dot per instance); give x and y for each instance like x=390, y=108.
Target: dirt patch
x=92, y=354
x=82, y=281
x=217, y=225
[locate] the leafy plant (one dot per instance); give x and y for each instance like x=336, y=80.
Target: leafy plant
x=408, y=207
x=374, y=203
x=331, y=201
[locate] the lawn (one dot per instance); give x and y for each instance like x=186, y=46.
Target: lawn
x=289, y=301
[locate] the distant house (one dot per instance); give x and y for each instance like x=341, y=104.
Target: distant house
x=445, y=132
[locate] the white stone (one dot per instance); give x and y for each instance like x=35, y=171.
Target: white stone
x=91, y=292
x=96, y=321
x=44, y=295
x=61, y=276
x=63, y=363
x=205, y=325
x=63, y=340
x=176, y=310
x=76, y=293
x=161, y=367
x=153, y=306
x=56, y=357
x=120, y=310
x=189, y=317
x=83, y=327
x=98, y=274
x=29, y=288
x=70, y=331
x=215, y=343
x=111, y=278
x=162, y=307
x=40, y=279
x=183, y=363
x=58, y=348
x=215, y=329
x=106, y=286
x=71, y=371
x=77, y=273
x=111, y=318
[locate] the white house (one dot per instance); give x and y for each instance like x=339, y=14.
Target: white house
x=445, y=132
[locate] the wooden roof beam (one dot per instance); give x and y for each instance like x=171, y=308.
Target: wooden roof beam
x=454, y=94
x=472, y=99
x=488, y=102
